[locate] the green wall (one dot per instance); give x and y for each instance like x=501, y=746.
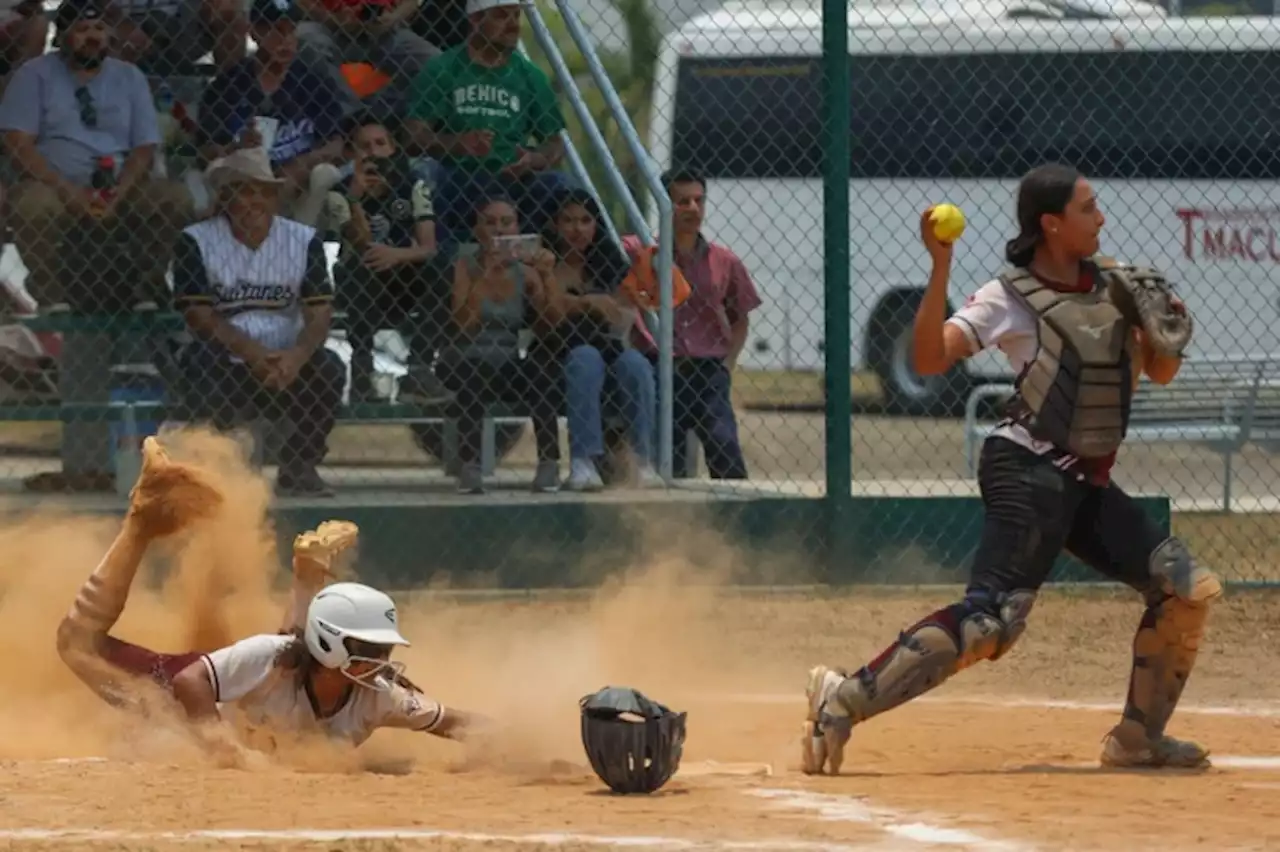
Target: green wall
x=769, y=540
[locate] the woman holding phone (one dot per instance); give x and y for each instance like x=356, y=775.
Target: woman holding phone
x=602, y=373
x=498, y=292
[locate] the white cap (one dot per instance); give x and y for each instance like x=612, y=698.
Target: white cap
x=476, y=6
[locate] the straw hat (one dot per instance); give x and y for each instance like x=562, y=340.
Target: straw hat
x=245, y=165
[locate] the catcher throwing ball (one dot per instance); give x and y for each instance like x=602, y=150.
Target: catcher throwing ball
x=328, y=670
x=1078, y=333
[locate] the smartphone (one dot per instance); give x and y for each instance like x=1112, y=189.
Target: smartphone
x=520, y=247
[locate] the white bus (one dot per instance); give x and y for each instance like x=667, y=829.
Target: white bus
x=1176, y=121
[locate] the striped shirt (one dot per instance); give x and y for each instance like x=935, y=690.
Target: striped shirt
x=261, y=291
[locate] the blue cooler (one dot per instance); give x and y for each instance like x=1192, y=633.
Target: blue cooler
x=127, y=432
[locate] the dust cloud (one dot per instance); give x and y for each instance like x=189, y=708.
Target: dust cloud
x=660, y=627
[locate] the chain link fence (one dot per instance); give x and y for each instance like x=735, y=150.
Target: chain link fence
x=451, y=331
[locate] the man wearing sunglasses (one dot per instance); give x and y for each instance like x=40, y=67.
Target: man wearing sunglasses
x=61, y=115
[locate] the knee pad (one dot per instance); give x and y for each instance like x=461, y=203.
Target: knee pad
x=1174, y=572
x=1015, y=608
x=987, y=626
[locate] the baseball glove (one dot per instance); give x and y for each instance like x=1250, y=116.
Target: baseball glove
x=1145, y=298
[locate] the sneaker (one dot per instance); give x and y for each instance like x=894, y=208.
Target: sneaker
x=546, y=479
x=315, y=550
x=304, y=482
x=470, y=480
x=583, y=476
x=827, y=727
x=1121, y=752
x=422, y=387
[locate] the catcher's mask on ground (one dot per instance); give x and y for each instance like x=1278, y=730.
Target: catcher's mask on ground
x=634, y=744
x=352, y=628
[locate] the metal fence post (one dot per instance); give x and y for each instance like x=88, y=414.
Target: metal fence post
x=835, y=238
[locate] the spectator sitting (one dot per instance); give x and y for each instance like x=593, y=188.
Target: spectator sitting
x=376, y=32
x=168, y=37
x=297, y=106
x=60, y=114
x=388, y=242
x=24, y=29
x=599, y=366
x=494, y=297
x=710, y=331
x=475, y=108
x=255, y=291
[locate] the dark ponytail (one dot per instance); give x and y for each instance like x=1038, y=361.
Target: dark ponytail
x=1044, y=189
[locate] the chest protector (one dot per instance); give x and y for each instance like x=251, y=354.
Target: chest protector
x=1076, y=392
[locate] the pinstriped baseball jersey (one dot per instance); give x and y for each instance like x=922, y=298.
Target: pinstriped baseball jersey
x=259, y=291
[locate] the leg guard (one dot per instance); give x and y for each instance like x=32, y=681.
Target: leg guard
x=1169, y=635
x=981, y=627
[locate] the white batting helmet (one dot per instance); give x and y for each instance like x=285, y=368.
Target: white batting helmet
x=352, y=612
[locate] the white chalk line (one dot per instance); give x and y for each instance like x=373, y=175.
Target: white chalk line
x=908, y=828
x=1225, y=761
x=73, y=836
x=902, y=833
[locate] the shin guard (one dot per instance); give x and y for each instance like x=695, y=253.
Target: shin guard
x=1169, y=636
x=935, y=648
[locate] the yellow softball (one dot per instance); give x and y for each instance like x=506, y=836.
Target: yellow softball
x=948, y=222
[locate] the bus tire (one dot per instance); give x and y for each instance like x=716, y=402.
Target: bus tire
x=906, y=392
x=430, y=439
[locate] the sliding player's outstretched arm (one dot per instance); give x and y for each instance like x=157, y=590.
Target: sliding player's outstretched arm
x=405, y=706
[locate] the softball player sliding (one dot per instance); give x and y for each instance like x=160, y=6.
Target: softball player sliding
x=328, y=670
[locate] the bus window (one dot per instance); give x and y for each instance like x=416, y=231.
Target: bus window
x=1120, y=114
x=753, y=118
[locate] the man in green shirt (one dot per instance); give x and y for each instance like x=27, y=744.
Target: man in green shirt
x=490, y=117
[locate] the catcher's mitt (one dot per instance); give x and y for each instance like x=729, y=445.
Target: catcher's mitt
x=634, y=744
x=1145, y=298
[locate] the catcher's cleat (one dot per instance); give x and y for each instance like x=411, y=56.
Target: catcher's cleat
x=314, y=551
x=827, y=726
x=169, y=496
x=1162, y=753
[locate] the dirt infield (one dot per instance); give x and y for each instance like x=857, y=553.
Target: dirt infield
x=1003, y=757
x=966, y=768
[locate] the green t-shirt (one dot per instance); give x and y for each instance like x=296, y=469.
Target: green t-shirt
x=454, y=95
